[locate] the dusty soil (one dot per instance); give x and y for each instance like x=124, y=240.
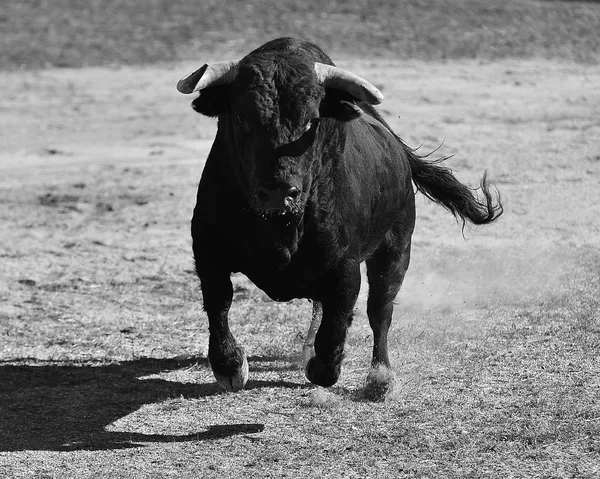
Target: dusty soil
x=98, y=170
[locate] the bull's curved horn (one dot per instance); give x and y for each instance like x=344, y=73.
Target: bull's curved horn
x=208, y=75
x=340, y=79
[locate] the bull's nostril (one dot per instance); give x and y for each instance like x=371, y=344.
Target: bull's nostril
x=293, y=193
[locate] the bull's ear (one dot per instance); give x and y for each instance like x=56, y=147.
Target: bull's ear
x=339, y=105
x=213, y=101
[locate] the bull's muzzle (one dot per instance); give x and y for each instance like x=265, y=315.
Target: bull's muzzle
x=277, y=200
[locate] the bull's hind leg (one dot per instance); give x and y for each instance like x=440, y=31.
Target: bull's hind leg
x=308, y=348
x=385, y=270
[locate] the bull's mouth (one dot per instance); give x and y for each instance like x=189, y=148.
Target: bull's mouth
x=266, y=214
x=277, y=213
x=287, y=215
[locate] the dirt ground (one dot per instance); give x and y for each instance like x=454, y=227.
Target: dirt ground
x=98, y=170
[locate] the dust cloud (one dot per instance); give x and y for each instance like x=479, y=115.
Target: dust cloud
x=484, y=279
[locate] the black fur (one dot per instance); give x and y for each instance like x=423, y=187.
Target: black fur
x=278, y=128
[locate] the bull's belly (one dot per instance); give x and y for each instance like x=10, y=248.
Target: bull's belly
x=282, y=289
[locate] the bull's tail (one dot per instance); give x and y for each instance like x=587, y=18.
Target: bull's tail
x=438, y=183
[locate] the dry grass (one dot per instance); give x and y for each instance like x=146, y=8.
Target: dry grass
x=38, y=33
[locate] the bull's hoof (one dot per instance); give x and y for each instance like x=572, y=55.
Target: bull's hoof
x=235, y=377
x=380, y=383
x=321, y=374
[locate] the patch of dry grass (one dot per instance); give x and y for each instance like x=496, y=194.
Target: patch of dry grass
x=517, y=396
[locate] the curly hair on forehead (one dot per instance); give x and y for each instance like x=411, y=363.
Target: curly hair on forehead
x=278, y=89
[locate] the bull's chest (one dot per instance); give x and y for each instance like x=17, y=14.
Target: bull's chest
x=285, y=265
x=281, y=272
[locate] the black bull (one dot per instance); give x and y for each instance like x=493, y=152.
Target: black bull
x=305, y=181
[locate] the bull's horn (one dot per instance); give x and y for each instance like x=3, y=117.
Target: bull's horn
x=340, y=79
x=208, y=75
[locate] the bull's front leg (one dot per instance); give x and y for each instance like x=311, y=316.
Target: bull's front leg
x=338, y=296
x=227, y=359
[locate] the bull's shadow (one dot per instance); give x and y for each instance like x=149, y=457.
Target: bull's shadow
x=67, y=407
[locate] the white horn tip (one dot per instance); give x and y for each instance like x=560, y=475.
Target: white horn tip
x=184, y=87
x=189, y=82
x=374, y=96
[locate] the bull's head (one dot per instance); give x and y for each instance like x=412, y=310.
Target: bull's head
x=270, y=105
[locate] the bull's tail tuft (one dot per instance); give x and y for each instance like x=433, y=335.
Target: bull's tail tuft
x=438, y=184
